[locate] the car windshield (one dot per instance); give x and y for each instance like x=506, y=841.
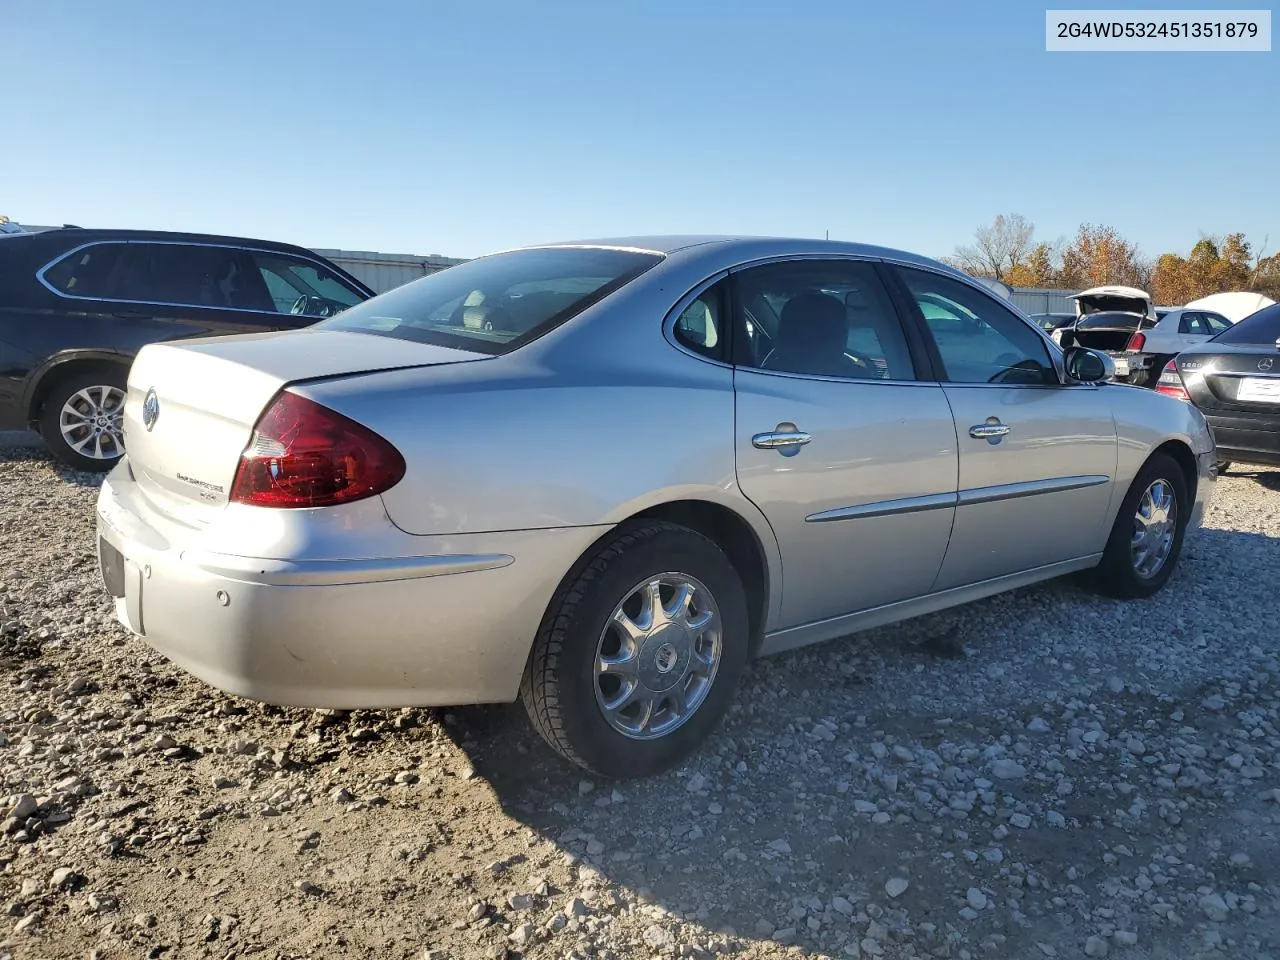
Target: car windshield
x=496, y=303
x=1262, y=327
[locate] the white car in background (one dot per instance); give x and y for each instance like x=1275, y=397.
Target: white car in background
x=1107, y=317
x=1149, y=350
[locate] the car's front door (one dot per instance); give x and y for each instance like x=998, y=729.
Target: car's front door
x=850, y=457
x=1037, y=455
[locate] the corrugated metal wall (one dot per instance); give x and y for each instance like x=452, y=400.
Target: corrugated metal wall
x=1039, y=300
x=383, y=271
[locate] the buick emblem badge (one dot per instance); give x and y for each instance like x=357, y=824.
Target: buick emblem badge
x=150, y=409
x=1265, y=363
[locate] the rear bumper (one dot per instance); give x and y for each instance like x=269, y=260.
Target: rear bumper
x=1247, y=439
x=426, y=621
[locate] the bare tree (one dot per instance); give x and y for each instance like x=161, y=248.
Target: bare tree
x=998, y=247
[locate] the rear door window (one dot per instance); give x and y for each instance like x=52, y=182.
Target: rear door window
x=825, y=318
x=194, y=275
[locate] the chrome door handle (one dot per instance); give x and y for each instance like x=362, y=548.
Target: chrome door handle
x=992, y=429
x=774, y=441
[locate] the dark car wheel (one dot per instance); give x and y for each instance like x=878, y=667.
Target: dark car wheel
x=82, y=418
x=1146, y=540
x=640, y=651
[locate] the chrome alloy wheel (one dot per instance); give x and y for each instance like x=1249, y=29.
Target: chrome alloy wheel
x=657, y=656
x=1154, y=527
x=91, y=422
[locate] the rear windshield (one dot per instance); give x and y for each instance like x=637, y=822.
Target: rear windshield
x=1109, y=304
x=497, y=303
x=1262, y=327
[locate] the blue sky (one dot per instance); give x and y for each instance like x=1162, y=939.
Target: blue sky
x=461, y=126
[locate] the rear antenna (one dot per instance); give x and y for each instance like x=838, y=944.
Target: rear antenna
x=827, y=234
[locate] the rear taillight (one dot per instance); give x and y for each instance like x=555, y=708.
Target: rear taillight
x=1136, y=342
x=305, y=455
x=1170, y=383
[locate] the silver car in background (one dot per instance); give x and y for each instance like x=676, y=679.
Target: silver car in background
x=601, y=476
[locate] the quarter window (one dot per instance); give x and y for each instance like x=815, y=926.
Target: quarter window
x=979, y=340
x=86, y=272
x=701, y=325
x=829, y=318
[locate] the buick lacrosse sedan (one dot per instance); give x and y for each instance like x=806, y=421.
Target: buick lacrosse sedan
x=601, y=476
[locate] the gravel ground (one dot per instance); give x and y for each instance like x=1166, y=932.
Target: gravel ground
x=1044, y=774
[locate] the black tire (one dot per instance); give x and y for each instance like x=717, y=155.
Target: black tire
x=559, y=687
x=1117, y=575
x=107, y=377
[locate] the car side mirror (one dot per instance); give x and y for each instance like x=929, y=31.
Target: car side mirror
x=1088, y=366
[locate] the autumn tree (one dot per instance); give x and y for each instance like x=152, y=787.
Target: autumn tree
x=1265, y=277
x=1100, y=255
x=997, y=248
x=1037, y=271
x=1171, y=281
x=1214, y=265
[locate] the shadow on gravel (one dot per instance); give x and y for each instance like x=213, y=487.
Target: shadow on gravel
x=37, y=454
x=1269, y=479
x=766, y=819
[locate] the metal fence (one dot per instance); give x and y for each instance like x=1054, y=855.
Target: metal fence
x=383, y=271
x=1043, y=300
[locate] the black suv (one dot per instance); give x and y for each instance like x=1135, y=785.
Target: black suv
x=77, y=305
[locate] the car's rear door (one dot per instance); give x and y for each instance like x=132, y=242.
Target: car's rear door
x=166, y=290
x=847, y=451
x=1037, y=456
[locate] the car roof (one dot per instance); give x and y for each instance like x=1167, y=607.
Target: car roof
x=72, y=235
x=667, y=244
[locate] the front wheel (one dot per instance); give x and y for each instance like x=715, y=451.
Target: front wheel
x=637, y=658
x=81, y=420
x=1146, y=540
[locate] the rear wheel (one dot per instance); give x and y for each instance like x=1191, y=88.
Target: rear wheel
x=1146, y=540
x=81, y=419
x=637, y=658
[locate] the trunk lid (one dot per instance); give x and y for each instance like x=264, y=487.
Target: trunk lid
x=1114, y=299
x=192, y=405
x=1222, y=378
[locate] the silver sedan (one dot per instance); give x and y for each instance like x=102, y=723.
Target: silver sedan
x=601, y=476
